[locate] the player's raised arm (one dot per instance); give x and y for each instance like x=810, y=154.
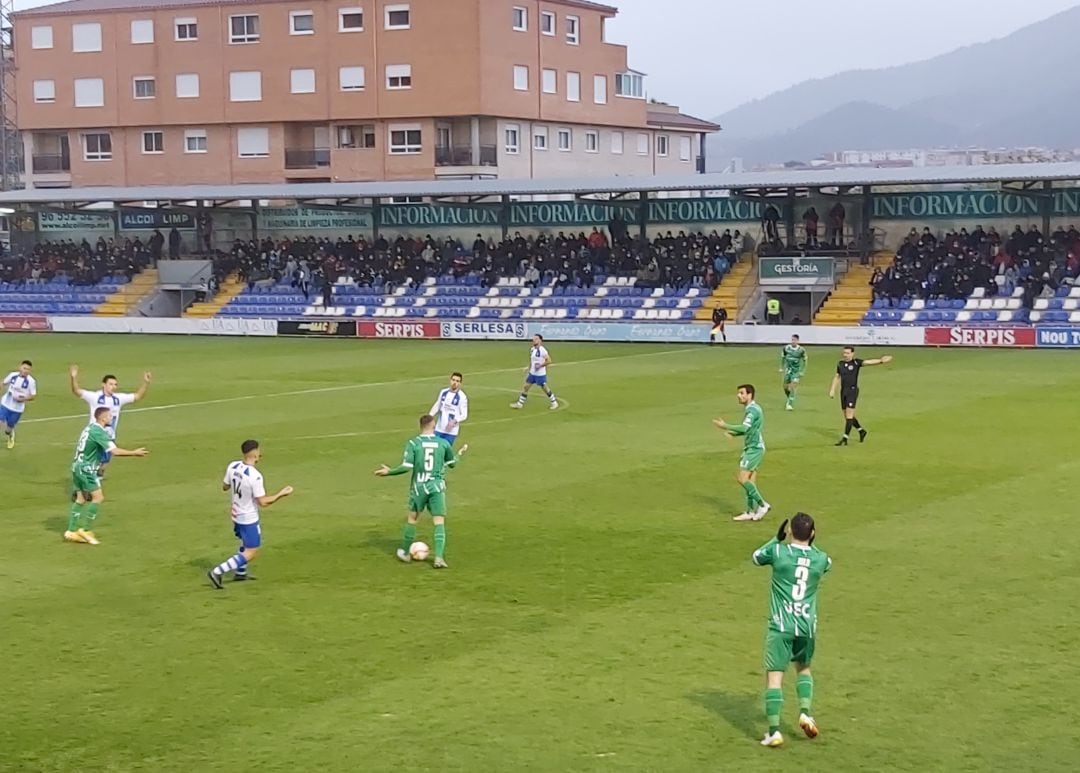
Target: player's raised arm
x=268, y=499
x=405, y=466
x=73, y=380
x=141, y=393
x=880, y=361
x=115, y=451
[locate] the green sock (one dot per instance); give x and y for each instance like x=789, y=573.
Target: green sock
x=791, y=397
x=804, y=688
x=774, y=701
x=753, y=496
x=408, y=536
x=89, y=516
x=74, y=516
x=440, y=539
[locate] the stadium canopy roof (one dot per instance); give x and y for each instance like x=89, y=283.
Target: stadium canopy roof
x=757, y=181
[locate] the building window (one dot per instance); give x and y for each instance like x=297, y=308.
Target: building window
x=186, y=29
x=399, y=76
x=617, y=143
x=521, y=77
x=351, y=78
x=397, y=17
x=566, y=140
x=643, y=144
x=85, y=38
x=153, y=142
x=44, y=92
x=97, y=147
x=41, y=37
x=539, y=138
x=142, y=31
x=684, y=149
x=548, y=81
x=512, y=134
x=350, y=20
x=547, y=23
x=302, y=81
x=244, y=28
x=301, y=23
x=573, y=87
x=356, y=136
x=89, y=92
x=599, y=89
x=630, y=84
x=661, y=144
x=592, y=142
x=405, y=140
x=521, y=19
x=195, y=141
x=245, y=86
x=573, y=30
x=145, y=87
x=187, y=85
x=253, y=142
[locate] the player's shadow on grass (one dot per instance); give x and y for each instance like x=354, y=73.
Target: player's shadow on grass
x=381, y=544
x=738, y=710
x=54, y=523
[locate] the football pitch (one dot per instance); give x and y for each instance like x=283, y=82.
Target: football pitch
x=601, y=611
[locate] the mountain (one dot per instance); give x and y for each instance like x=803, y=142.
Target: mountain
x=1018, y=90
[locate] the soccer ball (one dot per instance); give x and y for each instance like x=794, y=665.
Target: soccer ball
x=418, y=551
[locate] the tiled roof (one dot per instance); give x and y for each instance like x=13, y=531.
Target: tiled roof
x=681, y=121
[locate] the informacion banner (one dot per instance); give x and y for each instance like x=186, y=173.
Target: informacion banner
x=324, y=328
x=485, y=330
x=1058, y=337
x=795, y=270
x=398, y=329
x=979, y=336
x=23, y=324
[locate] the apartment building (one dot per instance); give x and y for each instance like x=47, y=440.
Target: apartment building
x=148, y=92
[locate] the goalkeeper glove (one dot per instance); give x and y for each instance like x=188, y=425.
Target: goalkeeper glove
x=781, y=533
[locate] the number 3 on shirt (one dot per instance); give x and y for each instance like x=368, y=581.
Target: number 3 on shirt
x=802, y=574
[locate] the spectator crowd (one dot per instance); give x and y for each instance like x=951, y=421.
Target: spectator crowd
x=953, y=266
x=81, y=263
x=313, y=265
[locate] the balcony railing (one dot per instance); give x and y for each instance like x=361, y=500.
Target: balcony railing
x=461, y=155
x=51, y=163
x=307, y=158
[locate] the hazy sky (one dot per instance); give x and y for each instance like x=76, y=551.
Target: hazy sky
x=711, y=55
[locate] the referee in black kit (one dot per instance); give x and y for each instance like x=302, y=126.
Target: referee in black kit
x=847, y=378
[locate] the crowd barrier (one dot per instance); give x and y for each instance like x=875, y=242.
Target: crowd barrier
x=609, y=332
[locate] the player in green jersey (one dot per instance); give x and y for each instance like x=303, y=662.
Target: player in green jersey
x=797, y=570
x=793, y=366
x=93, y=446
x=753, y=452
x=426, y=456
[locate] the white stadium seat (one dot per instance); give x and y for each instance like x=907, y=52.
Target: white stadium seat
x=1013, y=304
x=963, y=316
x=1005, y=316
x=980, y=292
x=918, y=304
x=1074, y=317
x=909, y=316
x=986, y=304
x=1075, y=292
x=1000, y=303
x=1070, y=304
x=1042, y=304
x=972, y=303
x=1018, y=292
x=1035, y=316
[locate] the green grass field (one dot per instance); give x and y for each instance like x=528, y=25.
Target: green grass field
x=601, y=612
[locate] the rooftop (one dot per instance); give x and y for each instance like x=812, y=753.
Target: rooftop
x=799, y=179
x=96, y=6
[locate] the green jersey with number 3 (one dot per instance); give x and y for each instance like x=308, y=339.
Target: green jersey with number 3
x=797, y=571
x=427, y=457
x=94, y=443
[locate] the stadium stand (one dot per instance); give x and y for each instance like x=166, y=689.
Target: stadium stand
x=56, y=296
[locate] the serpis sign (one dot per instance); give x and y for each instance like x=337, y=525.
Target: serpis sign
x=502, y=330
x=979, y=336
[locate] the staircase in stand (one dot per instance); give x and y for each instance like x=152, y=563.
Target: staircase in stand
x=127, y=298
x=730, y=294
x=230, y=288
x=852, y=296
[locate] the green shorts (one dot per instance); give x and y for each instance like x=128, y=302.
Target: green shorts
x=784, y=648
x=792, y=376
x=751, y=459
x=434, y=503
x=85, y=479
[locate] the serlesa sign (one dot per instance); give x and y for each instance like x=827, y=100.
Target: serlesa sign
x=795, y=270
x=979, y=336
x=504, y=330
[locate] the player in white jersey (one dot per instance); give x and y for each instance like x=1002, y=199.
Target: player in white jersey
x=245, y=484
x=20, y=388
x=450, y=409
x=108, y=397
x=536, y=373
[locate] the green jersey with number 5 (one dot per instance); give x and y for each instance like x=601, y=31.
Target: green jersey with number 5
x=797, y=571
x=428, y=457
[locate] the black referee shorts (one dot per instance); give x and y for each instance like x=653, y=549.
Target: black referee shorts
x=849, y=398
